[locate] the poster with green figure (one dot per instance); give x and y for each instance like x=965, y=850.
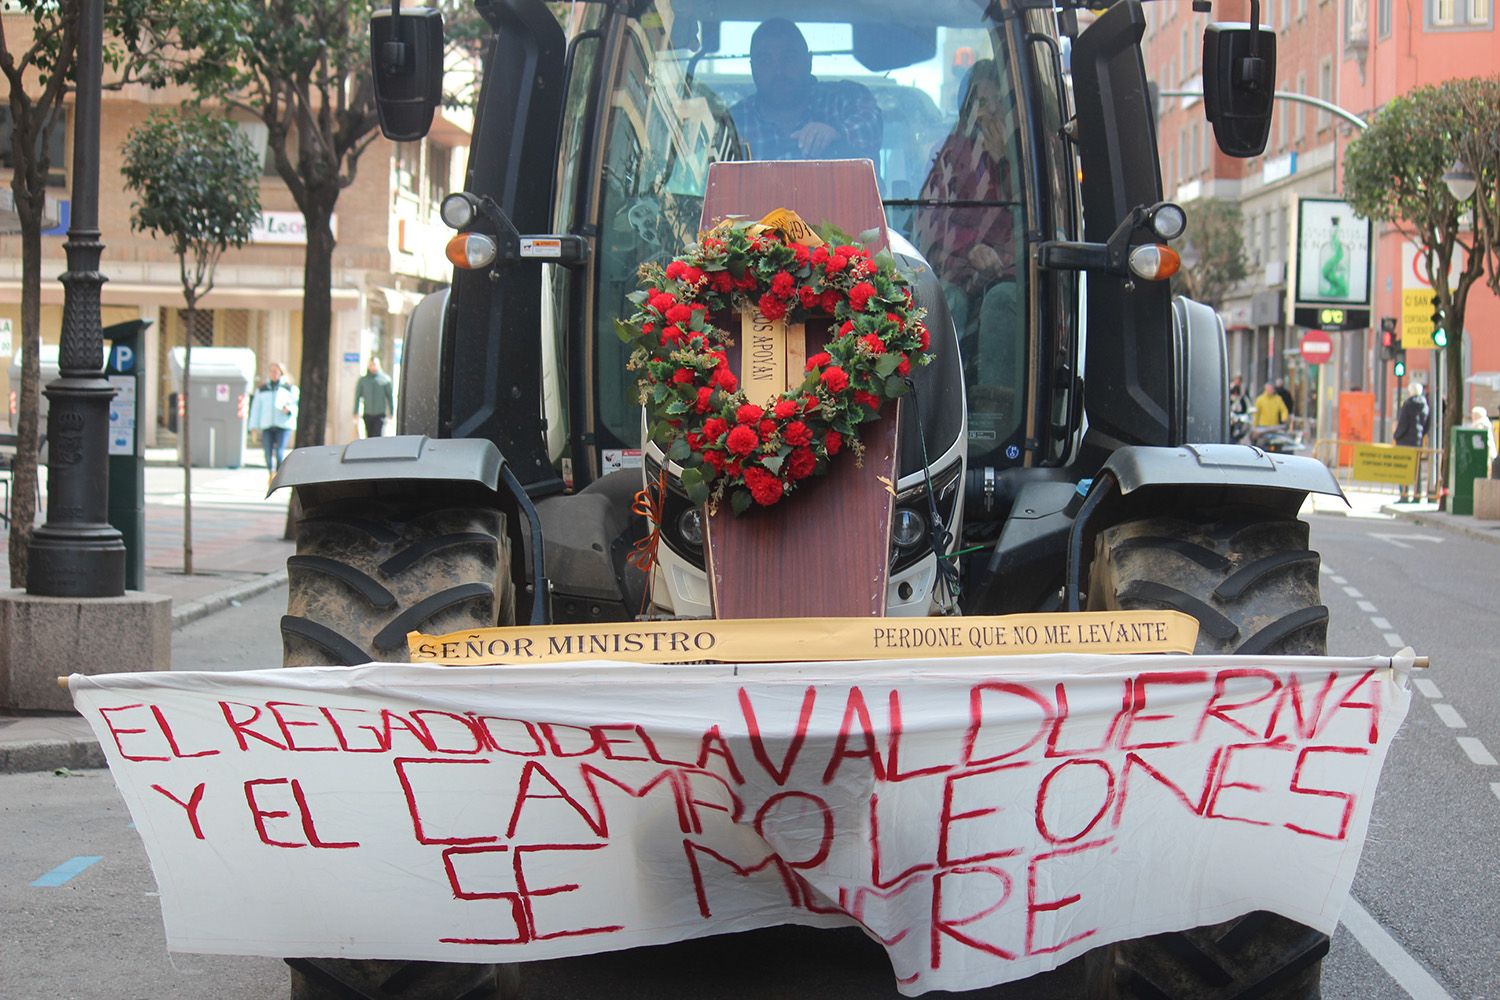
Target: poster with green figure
x=1333, y=269
x=1332, y=254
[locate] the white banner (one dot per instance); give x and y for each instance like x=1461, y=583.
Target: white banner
x=984, y=818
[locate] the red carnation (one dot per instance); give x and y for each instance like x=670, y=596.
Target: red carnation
x=836, y=379
x=801, y=463
x=810, y=403
x=782, y=284
x=742, y=441
x=818, y=360
x=722, y=282
x=833, y=441
x=848, y=327
x=925, y=338
x=867, y=399
x=675, y=269
x=705, y=393
x=819, y=256
x=724, y=379
x=765, y=488
x=873, y=343
x=892, y=317
x=746, y=281
x=771, y=307
x=797, y=434
x=696, y=339
x=808, y=296
x=712, y=243
x=671, y=335
x=904, y=368
x=830, y=301
x=714, y=428
x=860, y=295
x=662, y=301
x=692, y=275
x=748, y=414
x=800, y=254
x=715, y=459
x=785, y=408
x=695, y=440
x=682, y=375
x=648, y=327
x=767, y=429
x=731, y=469
x=837, y=263
x=678, y=314
x=849, y=250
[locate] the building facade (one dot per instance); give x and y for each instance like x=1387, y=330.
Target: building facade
x=390, y=253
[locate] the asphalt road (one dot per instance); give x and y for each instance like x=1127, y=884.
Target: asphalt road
x=1424, y=922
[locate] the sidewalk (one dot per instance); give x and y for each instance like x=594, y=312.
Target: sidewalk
x=238, y=552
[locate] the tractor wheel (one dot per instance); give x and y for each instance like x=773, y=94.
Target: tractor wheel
x=1252, y=584
x=364, y=575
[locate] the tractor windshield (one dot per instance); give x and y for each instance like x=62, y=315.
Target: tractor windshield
x=923, y=90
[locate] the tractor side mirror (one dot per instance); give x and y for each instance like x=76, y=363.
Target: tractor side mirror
x=406, y=56
x=1239, y=86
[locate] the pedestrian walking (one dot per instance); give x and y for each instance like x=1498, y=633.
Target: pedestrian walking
x=273, y=412
x=1270, y=413
x=1479, y=420
x=373, y=396
x=1411, y=430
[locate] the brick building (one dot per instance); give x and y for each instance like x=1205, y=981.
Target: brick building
x=389, y=253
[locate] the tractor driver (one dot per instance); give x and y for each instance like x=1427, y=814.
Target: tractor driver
x=791, y=115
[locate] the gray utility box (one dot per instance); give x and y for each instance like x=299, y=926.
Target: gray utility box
x=220, y=400
x=48, y=355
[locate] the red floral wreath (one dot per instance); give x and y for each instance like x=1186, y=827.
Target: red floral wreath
x=751, y=451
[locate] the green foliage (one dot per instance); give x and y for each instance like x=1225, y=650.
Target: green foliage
x=1213, y=251
x=196, y=180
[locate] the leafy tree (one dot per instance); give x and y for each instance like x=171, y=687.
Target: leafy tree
x=1394, y=173
x=302, y=68
x=1213, y=251
x=197, y=185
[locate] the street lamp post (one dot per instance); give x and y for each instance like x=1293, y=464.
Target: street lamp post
x=77, y=553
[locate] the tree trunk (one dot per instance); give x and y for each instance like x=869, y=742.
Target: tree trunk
x=186, y=430
x=23, y=487
x=1453, y=396
x=317, y=316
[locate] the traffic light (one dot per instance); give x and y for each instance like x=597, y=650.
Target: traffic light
x=1388, y=340
x=1440, y=336
x=1439, y=328
x=1399, y=368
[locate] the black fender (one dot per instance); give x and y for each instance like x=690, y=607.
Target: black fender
x=1136, y=481
x=471, y=469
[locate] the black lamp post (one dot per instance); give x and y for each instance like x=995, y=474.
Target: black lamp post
x=77, y=553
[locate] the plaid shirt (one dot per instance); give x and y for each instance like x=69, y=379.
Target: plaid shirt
x=848, y=107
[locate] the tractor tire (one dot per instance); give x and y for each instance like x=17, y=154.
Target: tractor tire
x=1252, y=583
x=364, y=575
x=367, y=573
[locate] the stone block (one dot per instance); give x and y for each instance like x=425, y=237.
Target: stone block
x=43, y=638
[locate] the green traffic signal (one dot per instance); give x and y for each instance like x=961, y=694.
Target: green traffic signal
x=1399, y=369
x=1440, y=337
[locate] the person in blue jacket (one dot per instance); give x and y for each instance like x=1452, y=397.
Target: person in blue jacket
x=273, y=412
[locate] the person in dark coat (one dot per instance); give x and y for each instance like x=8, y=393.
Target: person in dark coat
x=1411, y=427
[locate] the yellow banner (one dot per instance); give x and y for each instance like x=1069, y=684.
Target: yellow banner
x=813, y=639
x=789, y=224
x=1416, y=320
x=1384, y=463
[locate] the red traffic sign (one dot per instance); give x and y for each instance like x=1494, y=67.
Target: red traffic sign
x=1317, y=347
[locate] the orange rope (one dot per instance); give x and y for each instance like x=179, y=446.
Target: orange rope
x=643, y=554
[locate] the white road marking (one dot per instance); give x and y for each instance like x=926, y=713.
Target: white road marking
x=1427, y=687
x=1338, y=579
x=1381, y=624
x=1394, y=959
x=1325, y=568
x=1476, y=751
x=1367, y=607
x=1399, y=541
x=1395, y=640
x=1450, y=716
x=1352, y=592
x=1495, y=787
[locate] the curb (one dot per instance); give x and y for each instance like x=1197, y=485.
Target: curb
x=189, y=613
x=49, y=755
x=1443, y=522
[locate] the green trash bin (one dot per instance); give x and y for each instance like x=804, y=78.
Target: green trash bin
x=1470, y=461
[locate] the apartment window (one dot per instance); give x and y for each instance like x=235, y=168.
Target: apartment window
x=1208, y=147
x=439, y=172
x=1182, y=155
x=1286, y=14
x=1281, y=246
x=1253, y=243
x=1184, y=61
x=1325, y=89
x=1301, y=8
x=408, y=165
x=56, y=139
x=1479, y=12
x=1278, y=111
x=1383, y=13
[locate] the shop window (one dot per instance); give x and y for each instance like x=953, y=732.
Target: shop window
x=56, y=140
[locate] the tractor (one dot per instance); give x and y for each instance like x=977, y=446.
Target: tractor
x=1067, y=450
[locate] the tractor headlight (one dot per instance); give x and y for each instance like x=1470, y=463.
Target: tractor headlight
x=908, y=529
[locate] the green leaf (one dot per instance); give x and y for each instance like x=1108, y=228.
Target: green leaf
x=692, y=482
x=662, y=432
x=886, y=364
x=625, y=331
x=895, y=386
x=740, y=501
x=679, y=452
x=773, y=463
x=659, y=393
x=677, y=408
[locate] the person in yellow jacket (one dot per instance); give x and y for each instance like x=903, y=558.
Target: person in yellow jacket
x=1270, y=412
